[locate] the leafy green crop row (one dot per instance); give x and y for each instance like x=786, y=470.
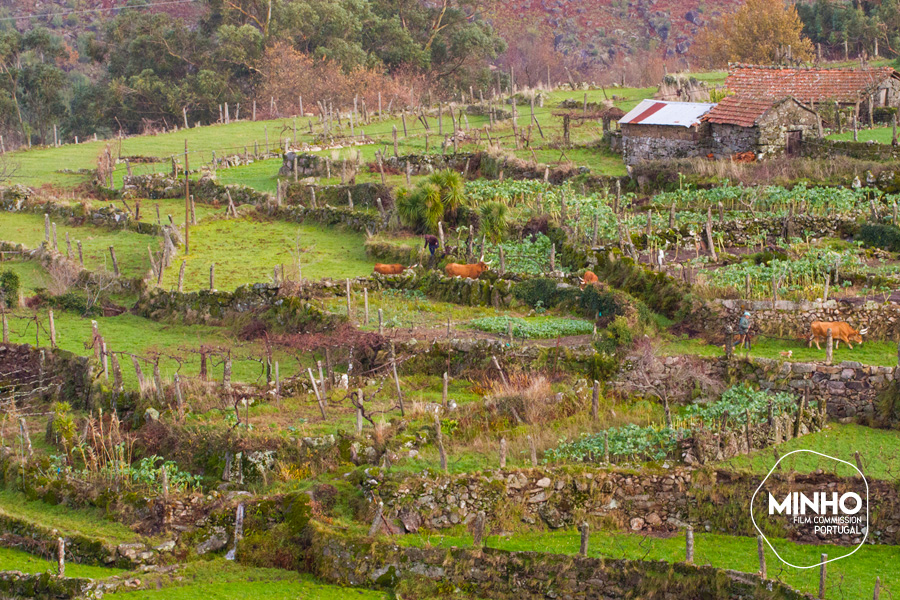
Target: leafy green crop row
x=536, y=327
x=658, y=442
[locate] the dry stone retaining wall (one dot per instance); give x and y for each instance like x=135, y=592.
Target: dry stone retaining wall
x=848, y=388
x=492, y=573
x=665, y=501
x=792, y=319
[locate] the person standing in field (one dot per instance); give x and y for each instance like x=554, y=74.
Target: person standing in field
x=744, y=329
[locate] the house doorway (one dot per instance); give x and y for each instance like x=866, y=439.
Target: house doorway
x=794, y=138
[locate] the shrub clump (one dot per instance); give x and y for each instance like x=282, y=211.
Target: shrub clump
x=886, y=237
x=9, y=289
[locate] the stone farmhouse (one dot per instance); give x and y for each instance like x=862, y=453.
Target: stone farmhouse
x=764, y=127
x=862, y=90
x=656, y=130
x=771, y=112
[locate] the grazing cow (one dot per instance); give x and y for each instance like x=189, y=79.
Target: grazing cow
x=466, y=271
x=840, y=331
x=388, y=269
x=589, y=279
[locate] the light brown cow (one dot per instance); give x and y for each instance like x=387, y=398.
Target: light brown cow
x=589, y=279
x=388, y=269
x=466, y=271
x=840, y=331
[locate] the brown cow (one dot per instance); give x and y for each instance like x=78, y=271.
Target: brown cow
x=466, y=271
x=389, y=269
x=589, y=279
x=840, y=331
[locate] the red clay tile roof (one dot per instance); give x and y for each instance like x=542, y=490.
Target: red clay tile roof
x=736, y=110
x=805, y=84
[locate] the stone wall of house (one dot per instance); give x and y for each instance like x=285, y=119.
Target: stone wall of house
x=786, y=319
x=658, y=142
x=664, y=501
x=731, y=139
x=779, y=120
x=503, y=575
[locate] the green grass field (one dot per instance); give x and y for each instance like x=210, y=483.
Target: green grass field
x=17, y=560
x=850, y=578
x=133, y=334
x=880, y=135
x=877, y=448
x=247, y=250
x=221, y=580
x=130, y=247
x=869, y=353
x=67, y=520
x=31, y=274
x=39, y=167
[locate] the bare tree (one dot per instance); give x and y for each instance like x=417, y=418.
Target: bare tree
x=8, y=168
x=669, y=382
x=94, y=286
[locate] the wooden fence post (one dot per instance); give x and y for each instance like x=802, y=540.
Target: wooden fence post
x=397, y=383
x=585, y=530
x=595, y=401
x=80, y=253
x=112, y=253
x=760, y=549
x=606, y=447
x=349, y=313
x=823, y=571
x=478, y=529
x=689, y=545
x=212, y=277
x=316, y=390
x=60, y=550
x=829, y=347
x=366, y=304
x=445, y=390
x=877, y=594
x=26, y=438
x=322, y=383
x=439, y=438
x=533, y=448
x=709, y=235
x=502, y=453
x=502, y=374
x=179, y=397
x=3, y=317
x=381, y=324
x=52, y=328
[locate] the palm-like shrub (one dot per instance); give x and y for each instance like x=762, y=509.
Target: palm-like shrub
x=433, y=200
x=493, y=220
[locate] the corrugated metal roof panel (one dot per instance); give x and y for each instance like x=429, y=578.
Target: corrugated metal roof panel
x=658, y=112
